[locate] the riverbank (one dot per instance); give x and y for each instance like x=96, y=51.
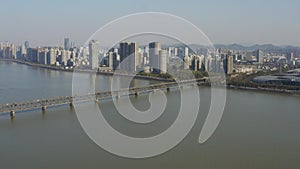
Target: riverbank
x=87, y=71
x=271, y=90
x=230, y=86
x=245, y=82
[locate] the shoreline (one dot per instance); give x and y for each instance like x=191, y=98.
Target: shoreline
x=270, y=90
x=86, y=71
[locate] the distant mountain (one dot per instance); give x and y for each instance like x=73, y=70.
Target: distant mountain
x=231, y=46
x=234, y=46
x=256, y=47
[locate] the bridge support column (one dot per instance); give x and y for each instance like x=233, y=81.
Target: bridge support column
x=44, y=108
x=116, y=95
x=12, y=114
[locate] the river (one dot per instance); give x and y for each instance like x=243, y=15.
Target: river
x=258, y=129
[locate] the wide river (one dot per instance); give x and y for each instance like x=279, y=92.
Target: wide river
x=258, y=129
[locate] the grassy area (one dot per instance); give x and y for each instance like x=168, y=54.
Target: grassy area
x=181, y=74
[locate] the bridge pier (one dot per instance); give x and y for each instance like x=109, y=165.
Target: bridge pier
x=71, y=104
x=12, y=114
x=44, y=108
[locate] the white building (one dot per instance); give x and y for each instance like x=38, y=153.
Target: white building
x=94, y=54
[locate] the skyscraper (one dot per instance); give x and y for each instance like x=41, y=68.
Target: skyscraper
x=154, y=49
x=26, y=43
x=65, y=56
x=187, y=62
x=94, y=54
x=43, y=56
x=23, y=50
x=116, y=60
x=228, y=64
x=33, y=54
x=128, y=54
x=133, y=52
x=259, y=56
x=183, y=52
x=146, y=56
x=51, y=57
x=163, y=56
x=67, y=44
x=110, y=61
x=196, y=63
x=124, y=52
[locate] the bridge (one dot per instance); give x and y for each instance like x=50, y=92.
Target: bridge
x=44, y=103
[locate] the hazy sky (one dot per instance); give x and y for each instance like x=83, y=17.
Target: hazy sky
x=47, y=22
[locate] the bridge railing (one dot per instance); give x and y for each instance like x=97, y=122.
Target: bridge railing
x=97, y=95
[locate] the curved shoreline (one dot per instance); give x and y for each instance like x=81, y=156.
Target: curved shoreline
x=86, y=71
x=271, y=90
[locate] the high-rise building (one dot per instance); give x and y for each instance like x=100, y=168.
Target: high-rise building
x=133, y=52
x=110, y=60
x=259, y=56
x=67, y=44
x=65, y=56
x=208, y=63
x=290, y=56
x=228, y=64
x=43, y=57
x=146, y=56
x=163, y=56
x=116, y=60
x=183, y=52
x=186, y=51
x=94, y=54
x=124, y=53
x=154, y=49
x=26, y=43
x=1, y=46
x=14, y=51
x=51, y=57
x=196, y=63
x=33, y=54
x=186, y=62
x=218, y=65
x=23, y=51
x=139, y=58
x=128, y=54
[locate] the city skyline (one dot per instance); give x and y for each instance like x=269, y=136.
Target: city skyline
x=154, y=58
x=44, y=23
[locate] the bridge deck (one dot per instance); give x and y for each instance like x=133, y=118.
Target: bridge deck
x=43, y=103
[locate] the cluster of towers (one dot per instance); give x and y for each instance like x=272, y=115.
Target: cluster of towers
x=130, y=57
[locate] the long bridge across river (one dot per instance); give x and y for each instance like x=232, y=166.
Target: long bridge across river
x=44, y=103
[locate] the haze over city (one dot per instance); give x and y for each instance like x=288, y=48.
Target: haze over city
x=143, y=84
x=225, y=22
